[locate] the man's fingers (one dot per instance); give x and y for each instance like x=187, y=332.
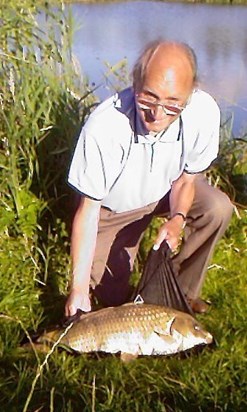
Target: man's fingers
x=156, y=246
x=169, y=245
x=160, y=238
x=71, y=310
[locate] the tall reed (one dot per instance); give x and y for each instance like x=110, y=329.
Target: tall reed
x=43, y=100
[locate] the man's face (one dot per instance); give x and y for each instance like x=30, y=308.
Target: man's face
x=165, y=92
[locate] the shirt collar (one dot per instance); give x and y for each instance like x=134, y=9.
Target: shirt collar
x=169, y=135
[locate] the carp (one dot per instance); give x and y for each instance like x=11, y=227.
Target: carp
x=131, y=330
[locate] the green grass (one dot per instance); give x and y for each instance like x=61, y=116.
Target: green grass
x=211, y=380
x=39, y=123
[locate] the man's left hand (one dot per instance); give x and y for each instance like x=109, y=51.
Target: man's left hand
x=170, y=231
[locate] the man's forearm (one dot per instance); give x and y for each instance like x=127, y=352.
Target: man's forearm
x=182, y=195
x=181, y=199
x=83, y=242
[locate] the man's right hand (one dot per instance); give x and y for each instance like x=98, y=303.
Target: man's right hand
x=77, y=300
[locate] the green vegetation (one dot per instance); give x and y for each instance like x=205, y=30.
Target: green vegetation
x=43, y=102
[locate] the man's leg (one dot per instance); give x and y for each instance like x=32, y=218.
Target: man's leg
x=120, y=234
x=207, y=221
x=118, y=241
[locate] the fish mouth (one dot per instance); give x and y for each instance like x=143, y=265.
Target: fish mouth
x=211, y=342
x=209, y=338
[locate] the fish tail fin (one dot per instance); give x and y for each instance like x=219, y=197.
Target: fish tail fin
x=42, y=342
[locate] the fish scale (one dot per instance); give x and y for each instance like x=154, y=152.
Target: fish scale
x=133, y=329
x=127, y=328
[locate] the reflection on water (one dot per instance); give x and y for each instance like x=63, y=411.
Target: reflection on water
x=218, y=34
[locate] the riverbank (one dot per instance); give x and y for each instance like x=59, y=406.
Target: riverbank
x=40, y=118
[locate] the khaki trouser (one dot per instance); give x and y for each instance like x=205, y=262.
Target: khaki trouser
x=120, y=234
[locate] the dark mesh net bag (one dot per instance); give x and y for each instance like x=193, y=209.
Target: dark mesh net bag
x=158, y=284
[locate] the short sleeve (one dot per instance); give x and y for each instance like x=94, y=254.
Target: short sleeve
x=93, y=169
x=205, y=144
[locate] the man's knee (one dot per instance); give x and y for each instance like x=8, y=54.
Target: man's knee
x=210, y=204
x=217, y=206
x=221, y=205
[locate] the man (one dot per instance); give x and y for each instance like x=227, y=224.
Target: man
x=141, y=154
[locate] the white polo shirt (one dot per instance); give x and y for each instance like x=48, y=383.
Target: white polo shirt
x=117, y=163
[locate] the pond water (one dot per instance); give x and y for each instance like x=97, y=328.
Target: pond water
x=111, y=32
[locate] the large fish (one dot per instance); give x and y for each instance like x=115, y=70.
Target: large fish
x=132, y=330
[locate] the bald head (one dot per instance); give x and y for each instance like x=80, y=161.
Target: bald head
x=164, y=76
x=164, y=57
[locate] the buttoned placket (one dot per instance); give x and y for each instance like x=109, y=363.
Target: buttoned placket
x=152, y=141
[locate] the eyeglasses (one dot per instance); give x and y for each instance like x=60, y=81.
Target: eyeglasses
x=168, y=109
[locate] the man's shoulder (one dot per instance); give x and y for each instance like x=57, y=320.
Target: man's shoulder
x=113, y=109
x=201, y=108
x=109, y=125
x=201, y=100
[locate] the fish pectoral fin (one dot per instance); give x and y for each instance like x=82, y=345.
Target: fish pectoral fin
x=128, y=357
x=164, y=331
x=161, y=331
x=165, y=337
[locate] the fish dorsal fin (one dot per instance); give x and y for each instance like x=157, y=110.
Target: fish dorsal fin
x=138, y=300
x=164, y=330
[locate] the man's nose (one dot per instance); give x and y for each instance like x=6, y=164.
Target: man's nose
x=158, y=112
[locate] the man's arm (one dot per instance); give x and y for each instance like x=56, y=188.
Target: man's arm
x=83, y=242
x=181, y=198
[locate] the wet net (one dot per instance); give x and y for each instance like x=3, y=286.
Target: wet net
x=158, y=284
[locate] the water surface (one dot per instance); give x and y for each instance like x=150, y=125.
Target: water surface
x=111, y=32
